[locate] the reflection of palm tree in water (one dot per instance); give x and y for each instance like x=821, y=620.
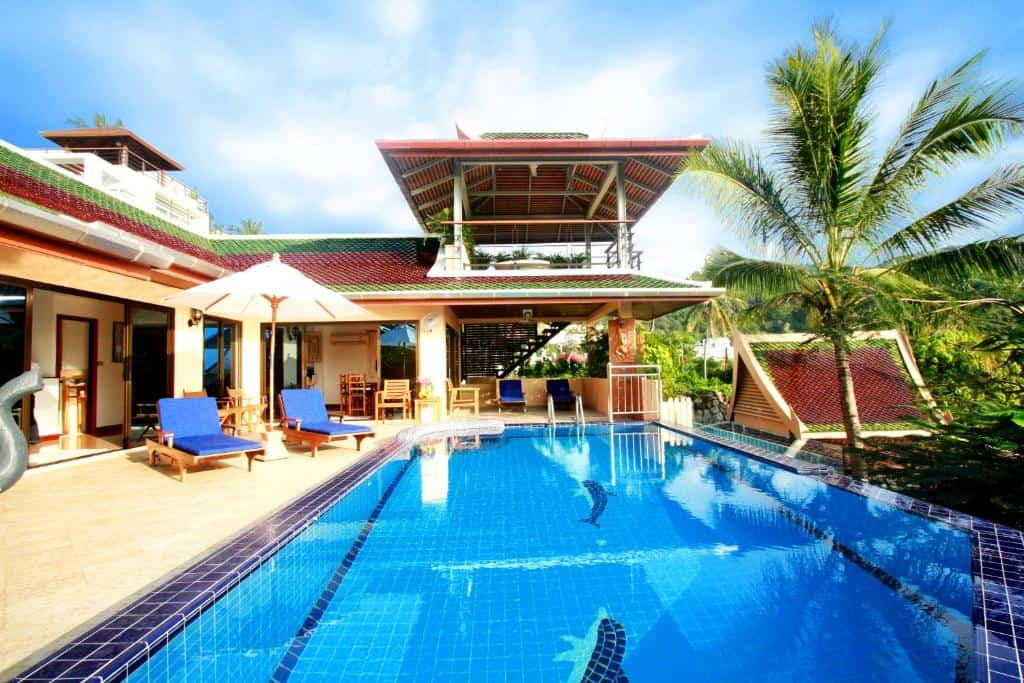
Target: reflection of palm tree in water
x=573, y=456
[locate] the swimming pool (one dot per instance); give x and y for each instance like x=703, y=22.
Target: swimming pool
x=626, y=553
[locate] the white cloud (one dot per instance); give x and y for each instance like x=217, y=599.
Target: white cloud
x=400, y=17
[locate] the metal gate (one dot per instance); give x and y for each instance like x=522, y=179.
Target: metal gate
x=634, y=391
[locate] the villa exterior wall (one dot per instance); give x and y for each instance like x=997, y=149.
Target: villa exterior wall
x=109, y=398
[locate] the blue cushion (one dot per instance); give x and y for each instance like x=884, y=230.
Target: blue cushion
x=212, y=444
x=188, y=416
x=511, y=391
x=559, y=390
x=304, y=404
x=335, y=428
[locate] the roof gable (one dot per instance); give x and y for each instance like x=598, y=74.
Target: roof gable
x=803, y=374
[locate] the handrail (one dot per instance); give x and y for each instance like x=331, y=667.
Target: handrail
x=551, y=410
x=581, y=418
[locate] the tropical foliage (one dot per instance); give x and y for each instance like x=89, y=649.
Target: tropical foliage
x=97, y=121
x=246, y=226
x=835, y=226
x=976, y=462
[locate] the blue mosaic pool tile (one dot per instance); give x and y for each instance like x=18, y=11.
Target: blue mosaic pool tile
x=997, y=567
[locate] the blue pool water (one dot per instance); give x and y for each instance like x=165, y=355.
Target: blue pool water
x=534, y=556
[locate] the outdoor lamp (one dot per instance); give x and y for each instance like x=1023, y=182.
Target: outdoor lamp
x=195, y=316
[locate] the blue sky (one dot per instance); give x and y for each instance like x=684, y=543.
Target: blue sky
x=273, y=111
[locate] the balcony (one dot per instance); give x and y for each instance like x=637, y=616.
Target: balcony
x=127, y=176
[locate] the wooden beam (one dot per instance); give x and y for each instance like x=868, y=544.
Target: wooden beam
x=422, y=167
x=431, y=186
x=602, y=312
x=647, y=164
x=529, y=193
x=605, y=184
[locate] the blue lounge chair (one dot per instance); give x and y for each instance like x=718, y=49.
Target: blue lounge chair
x=560, y=393
x=304, y=417
x=510, y=393
x=190, y=432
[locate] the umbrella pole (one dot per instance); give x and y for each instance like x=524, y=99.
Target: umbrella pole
x=273, y=347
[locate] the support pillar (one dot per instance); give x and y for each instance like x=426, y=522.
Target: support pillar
x=622, y=233
x=624, y=392
x=432, y=353
x=457, y=200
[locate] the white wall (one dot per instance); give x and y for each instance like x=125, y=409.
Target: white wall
x=109, y=384
x=345, y=348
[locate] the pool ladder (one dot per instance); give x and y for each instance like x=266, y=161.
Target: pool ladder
x=579, y=416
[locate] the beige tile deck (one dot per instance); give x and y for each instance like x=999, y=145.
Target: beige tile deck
x=79, y=539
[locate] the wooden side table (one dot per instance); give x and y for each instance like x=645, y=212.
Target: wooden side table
x=421, y=403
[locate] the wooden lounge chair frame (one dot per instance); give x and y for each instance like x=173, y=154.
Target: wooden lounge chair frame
x=163, y=446
x=291, y=427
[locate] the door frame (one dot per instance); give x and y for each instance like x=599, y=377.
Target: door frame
x=94, y=380
x=129, y=352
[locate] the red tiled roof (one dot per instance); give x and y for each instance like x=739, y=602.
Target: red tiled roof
x=806, y=377
x=349, y=264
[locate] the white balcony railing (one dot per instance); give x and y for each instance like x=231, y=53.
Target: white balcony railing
x=136, y=183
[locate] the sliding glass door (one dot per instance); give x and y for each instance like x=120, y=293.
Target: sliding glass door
x=220, y=356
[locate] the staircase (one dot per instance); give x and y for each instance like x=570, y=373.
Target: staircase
x=496, y=349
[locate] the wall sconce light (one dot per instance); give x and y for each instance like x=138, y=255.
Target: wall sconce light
x=195, y=316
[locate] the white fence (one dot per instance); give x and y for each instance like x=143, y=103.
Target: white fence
x=678, y=411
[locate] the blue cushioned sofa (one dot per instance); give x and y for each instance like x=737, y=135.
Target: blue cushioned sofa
x=190, y=432
x=304, y=417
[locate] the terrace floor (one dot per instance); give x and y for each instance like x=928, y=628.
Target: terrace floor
x=80, y=538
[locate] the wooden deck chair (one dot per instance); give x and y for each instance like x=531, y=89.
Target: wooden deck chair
x=510, y=393
x=395, y=394
x=305, y=417
x=190, y=432
x=463, y=397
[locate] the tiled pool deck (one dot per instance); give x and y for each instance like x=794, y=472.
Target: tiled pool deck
x=107, y=651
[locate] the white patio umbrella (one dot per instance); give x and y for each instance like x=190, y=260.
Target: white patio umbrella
x=271, y=290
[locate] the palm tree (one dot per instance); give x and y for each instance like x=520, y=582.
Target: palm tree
x=98, y=121
x=714, y=317
x=837, y=228
x=248, y=226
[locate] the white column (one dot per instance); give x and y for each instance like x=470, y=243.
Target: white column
x=432, y=352
x=620, y=196
x=457, y=211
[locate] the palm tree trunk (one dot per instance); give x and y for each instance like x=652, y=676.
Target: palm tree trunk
x=851, y=416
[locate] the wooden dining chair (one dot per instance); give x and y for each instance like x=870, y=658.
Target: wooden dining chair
x=356, y=400
x=395, y=394
x=463, y=397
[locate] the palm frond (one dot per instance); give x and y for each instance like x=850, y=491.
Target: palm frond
x=754, y=276
x=955, y=266
x=748, y=197
x=820, y=126
x=956, y=118
x=999, y=195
